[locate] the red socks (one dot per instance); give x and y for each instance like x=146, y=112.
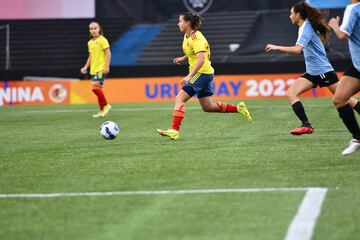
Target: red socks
x=227, y=108
x=101, y=97
x=179, y=113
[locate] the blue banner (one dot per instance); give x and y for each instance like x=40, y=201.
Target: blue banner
x=329, y=4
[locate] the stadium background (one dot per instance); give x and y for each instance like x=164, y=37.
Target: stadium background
x=225, y=178
x=42, y=40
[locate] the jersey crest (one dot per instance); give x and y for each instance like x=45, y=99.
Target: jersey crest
x=198, y=6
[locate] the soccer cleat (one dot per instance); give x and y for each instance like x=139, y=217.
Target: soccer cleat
x=242, y=109
x=171, y=133
x=353, y=146
x=106, y=110
x=98, y=115
x=302, y=130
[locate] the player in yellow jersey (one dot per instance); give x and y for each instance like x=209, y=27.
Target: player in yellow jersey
x=99, y=62
x=199, y=80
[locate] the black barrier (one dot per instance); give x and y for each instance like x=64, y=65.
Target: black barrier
x=158, y=10
x=173, y=70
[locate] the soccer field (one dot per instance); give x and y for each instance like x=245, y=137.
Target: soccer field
x=225, y=178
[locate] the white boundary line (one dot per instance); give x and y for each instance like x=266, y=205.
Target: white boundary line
x=162, y=192
x=301, y=227
x=137, y=109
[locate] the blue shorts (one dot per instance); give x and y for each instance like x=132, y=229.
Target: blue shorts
x=98, y=77
x=200, y=84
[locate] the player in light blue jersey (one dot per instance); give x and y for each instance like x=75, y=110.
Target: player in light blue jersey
x=313, y=31
x=350, y=81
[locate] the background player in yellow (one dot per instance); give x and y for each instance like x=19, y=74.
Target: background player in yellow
x=199, y=80
x=99, y=63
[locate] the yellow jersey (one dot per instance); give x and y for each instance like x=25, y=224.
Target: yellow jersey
x=193, y=44
x=97, y=54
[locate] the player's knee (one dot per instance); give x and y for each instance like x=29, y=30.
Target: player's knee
x=338, y=101
x=206, y=108
x=177, y=99
x=210, y=107
x=290, y=94
x=180, y=98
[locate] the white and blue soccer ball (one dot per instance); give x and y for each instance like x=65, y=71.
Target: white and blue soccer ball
x=109, y=130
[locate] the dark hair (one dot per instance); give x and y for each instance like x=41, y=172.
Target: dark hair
x=194, y=19
x=101, y=31
x=316, y=18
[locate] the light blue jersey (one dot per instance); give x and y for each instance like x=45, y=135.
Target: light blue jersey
x=316, y=60
x=351, y=26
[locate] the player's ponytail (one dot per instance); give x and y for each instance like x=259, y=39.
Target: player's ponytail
x=316, y=18
x=194, y=19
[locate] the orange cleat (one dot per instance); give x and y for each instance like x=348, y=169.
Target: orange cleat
x=302, y=130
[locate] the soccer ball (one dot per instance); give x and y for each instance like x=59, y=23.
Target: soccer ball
x=109, y=130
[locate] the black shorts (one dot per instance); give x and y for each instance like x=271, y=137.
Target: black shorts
x=351, y=71
x=322, y=80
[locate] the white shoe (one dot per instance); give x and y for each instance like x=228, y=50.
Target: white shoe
x=353, y=146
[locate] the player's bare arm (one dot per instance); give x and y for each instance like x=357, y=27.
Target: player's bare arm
x=179, y=60
x=86, y=66
x=107, y=61
x=297, y=49
x=200, y=60
x=334, y=24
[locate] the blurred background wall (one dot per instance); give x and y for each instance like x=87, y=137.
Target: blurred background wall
x=46, y=9
x=49, y=38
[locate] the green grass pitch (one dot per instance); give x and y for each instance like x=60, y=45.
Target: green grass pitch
x=58, y=149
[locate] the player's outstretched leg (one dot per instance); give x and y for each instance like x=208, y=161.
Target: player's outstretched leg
x=301, y=85
x=209, y=106
x=346, y=113
x=102, y=102
x=97, y=91
x=306, y=127
x=178, y=116
x=347, y=87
